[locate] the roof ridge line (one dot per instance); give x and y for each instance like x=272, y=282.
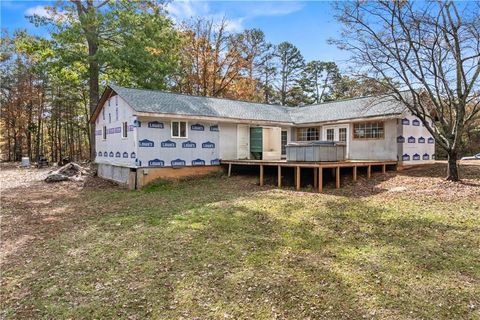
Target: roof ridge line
x=208, y=97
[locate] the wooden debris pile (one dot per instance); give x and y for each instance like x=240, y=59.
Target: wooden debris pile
x=70, y=171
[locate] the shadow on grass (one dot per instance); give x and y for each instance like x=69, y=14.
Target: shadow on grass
x=223, y=248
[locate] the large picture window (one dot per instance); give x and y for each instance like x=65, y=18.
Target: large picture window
x=368, y=130
x=179, y=129
x=308, y=134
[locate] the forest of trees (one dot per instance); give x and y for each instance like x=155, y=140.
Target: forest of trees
x=50, y=85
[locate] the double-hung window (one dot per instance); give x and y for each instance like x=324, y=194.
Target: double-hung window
x=179, y=129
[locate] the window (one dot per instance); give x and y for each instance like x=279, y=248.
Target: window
x=342, y=134
x=116, y=100
x=368, y=130
x=116, y=114
x=124, y=129
x=284, y=142
x=103, y=114
x=109, y=117
x=104, y=133
x=330, y=134
x=179, y=129
x=308, y=134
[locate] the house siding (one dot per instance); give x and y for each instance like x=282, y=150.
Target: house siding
x=415, y=144
x=116, y=150
x=157, y=147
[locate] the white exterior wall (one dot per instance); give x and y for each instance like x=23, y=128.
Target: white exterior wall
x=115, y=150
x=414, y=142
x=235, y=141
x=228, y=141
x=157, y=147
x=272, y=143
x=375, y=149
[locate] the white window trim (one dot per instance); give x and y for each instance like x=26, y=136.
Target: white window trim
x=186, y=129
x=336, y=134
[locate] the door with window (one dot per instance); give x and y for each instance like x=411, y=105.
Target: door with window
x=336, y=133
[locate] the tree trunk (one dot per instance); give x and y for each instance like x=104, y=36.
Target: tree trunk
x=94, y=93
x=452, y=169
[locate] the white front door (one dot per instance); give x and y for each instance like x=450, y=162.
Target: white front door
x=243, y=141
x=336, y=133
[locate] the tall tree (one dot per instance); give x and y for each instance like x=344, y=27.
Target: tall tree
x=213, y=60
x=359, y=86
x=318, y=79
x=255, y=46
x=267, y=73
x=116, y=39
x=290, y=65
x=432, y=49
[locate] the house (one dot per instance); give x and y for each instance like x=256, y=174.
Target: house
x=142, y=135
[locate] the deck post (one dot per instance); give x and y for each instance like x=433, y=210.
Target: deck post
x=337, y=177
x=261, y=175
x=369, y=172
x=229, y=169
x=320, y=179
x=384, y=168
x=315, y=177
x=355, y=173
x=279, y=176
x=297, y=178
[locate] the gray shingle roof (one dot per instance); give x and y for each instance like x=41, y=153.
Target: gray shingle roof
x=173, y=103
x=151, y=101
x=347, y=109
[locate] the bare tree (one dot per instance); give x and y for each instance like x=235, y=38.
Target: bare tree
x=432, y=49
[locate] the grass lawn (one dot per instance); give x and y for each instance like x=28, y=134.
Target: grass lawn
x=405, y=246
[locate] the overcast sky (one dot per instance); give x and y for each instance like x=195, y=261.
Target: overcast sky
x=306, y=24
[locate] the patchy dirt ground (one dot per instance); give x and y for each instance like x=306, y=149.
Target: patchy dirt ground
x=404, y=245
x=12, y=176
x=33, y=209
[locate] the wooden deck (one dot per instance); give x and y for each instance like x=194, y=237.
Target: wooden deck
x=316, y=166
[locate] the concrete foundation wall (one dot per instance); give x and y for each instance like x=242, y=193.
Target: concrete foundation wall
x=121, y=175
